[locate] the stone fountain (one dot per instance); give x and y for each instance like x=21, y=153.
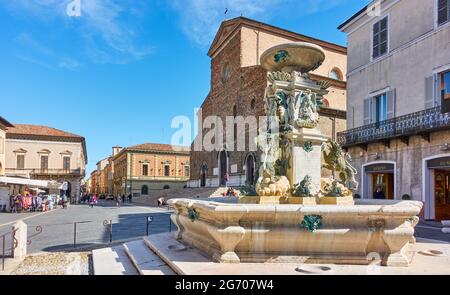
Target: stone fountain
x=293, y=214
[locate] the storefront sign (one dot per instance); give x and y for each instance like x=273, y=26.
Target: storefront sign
x=380, y=168
x=439, y=163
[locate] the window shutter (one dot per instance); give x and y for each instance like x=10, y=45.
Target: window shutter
x=367, y=110
x=373, y=110
x=442, y=11
x=438, y=90
x=429, y=92
x=391, y=104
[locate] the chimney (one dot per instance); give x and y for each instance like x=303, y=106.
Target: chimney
x=116, y=150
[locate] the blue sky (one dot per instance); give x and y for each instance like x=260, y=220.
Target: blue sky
x=121, y=71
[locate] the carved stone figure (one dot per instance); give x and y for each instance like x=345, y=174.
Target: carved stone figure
x=332, y=187
x=338, y=161
x=306, y=188
x=268, y=185
x=308, y=115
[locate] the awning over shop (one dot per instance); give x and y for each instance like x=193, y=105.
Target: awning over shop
x=29, y=182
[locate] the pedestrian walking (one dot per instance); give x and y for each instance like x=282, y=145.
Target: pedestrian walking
x=64, y=201
x=118, y=201
x=130, y=197
x=93, y=201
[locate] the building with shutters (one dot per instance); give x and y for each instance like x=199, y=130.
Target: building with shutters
x=145, y=167
x=398, y=99
x=4, y=124
x=46, y=153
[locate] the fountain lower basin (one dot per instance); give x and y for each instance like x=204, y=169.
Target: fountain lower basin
x=235, y=233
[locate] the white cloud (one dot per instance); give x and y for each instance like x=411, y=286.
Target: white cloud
x=200, y=19
x=34, y=51
x=68, y=63
x=109, y=28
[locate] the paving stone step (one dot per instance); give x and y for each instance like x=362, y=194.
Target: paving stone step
x=112, y=261
x=145, y=260
x=174, y=253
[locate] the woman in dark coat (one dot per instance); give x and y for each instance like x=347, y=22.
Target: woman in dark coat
x=379, y=194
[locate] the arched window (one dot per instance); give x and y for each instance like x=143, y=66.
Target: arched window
x=326, y=103
x=235, y=125
x=335, y=74
x=253, y=104
x=225, y=73
x=203, y=172
x=144, y=190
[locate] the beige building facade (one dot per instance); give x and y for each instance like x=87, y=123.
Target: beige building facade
x=45, y=153
x=398, y=84
x=145, y=167
x=238, y=83
x=4, y=124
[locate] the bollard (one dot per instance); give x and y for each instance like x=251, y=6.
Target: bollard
x=74, y=235
x=106, y=223
x=3, y=254
x=110, y=231
x=149, y=220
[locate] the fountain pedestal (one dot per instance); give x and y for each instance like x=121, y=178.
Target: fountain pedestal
x=306, y=155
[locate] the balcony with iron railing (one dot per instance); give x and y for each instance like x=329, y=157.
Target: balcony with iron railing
x=418, y=123
x=42, y=171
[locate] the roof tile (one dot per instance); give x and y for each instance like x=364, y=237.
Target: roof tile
x=25, y=129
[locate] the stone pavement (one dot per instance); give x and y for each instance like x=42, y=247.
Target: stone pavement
x=429, y=258
x=57, y=234
x=431, y=230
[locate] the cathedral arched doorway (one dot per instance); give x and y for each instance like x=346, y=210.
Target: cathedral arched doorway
x=250, y=168
x=223, y=167
x=203, y=172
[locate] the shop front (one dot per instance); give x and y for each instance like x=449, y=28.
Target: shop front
x=437, y=187
x=379, y=181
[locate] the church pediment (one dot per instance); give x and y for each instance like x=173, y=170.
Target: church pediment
x=225, y=30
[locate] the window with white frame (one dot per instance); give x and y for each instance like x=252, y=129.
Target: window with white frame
x=443, y=11
x=380, y=38
x=380, y=102
x=379, y=107
x=186, y=171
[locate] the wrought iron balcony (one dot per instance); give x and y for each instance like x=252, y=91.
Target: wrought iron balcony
x=40, y=171
x=418, y=123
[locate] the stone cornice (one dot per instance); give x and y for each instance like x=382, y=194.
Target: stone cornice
x=336, y=83
x=142, y=151
x=238, y=22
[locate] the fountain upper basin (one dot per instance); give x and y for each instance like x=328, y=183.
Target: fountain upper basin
x=298, y=56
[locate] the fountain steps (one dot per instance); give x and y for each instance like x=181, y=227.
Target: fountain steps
x=132, y=258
